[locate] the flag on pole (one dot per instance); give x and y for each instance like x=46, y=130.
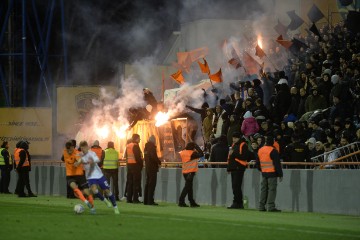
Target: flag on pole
x=285, y=43
x=204, y=67
x=315, y=30
x=315, y=14
x=184, y=61
x=296, y=21
x=250, y=64
x=235, y=59
x=178, y=77
x=216, y=77
x=198, y=53
x=259, y=52
x=280, y=28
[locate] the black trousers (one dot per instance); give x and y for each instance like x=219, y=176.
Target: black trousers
x=133, y=183
x=114, y=175
x=188, y=188
x=5, y=179
x=23, y=181
x=150, y=185
x=236, y=181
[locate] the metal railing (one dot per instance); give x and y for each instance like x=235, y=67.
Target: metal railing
x=346, y=157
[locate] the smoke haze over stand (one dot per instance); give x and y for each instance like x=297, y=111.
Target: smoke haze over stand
x=106, y=39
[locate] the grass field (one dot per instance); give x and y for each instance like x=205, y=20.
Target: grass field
x=53, y=218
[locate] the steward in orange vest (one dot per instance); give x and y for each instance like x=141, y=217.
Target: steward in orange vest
x=268, y=163
x=239, y=156
x=23, y=167
x=189, y=157
x=100, y=153
x=135, y=163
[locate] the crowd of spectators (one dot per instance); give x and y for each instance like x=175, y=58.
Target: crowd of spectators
x=313, y=102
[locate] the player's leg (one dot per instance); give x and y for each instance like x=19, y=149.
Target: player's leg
x=104, y=185
x=73, y=185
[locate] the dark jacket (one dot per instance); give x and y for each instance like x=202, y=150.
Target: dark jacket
x=296, y=152
x=5, y=153
x=198, y=153
x=152, y=162
x=219, y=153
x=138, y=156
x=245, y=155
x=295, y=101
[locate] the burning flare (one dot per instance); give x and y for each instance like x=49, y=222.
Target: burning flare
x=259, y=41
x=121, y=132
x=102, y=132
x=161, y=118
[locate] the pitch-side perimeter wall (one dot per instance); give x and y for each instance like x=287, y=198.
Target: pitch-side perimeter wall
x=325, y=191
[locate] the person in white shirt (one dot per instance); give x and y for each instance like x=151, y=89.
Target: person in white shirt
x=94, y=175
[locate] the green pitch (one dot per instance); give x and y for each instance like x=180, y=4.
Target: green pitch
x=53, y=218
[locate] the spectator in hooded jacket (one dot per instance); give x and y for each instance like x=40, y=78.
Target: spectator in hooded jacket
x=315, y=101
x=249, y=126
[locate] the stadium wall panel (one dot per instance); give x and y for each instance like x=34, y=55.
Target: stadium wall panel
x=325, y=191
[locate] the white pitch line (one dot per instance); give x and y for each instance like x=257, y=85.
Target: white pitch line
x=249, y=225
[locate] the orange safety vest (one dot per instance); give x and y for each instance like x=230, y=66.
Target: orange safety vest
x=266, y=162
x=188, y=165
x=130, y=157
x=69, y=160
x=276, y=146
x=98, y=152
x=17, y=158
x=242, y=162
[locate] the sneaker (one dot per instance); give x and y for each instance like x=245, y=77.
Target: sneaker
x=88, y=204
x=183, y=205
x=92, y=210
x=235, y=206
x=274, y=210
x=116, y=210
x=194, y=205
x=108, y=203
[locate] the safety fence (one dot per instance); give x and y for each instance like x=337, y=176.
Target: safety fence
x=346, y=157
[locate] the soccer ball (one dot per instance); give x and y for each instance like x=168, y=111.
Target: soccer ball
x=78, y=209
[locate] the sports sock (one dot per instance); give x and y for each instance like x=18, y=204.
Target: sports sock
x=91, y=200
x=99, y=195
x=79, y=194
x=112, y=199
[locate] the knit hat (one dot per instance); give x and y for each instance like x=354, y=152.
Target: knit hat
x=311, y=140
x=248, y=114
x=334, y=79
x=328, y=71
x=283, y=81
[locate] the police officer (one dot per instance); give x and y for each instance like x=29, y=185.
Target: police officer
x=111, y=168
x=239, y=155
x=23, y=167
x=189, y=157
x=268, y=163
x=135, y=163
x=6, y=165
